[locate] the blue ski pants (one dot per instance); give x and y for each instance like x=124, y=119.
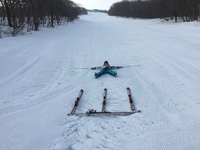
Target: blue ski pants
x=104, y=71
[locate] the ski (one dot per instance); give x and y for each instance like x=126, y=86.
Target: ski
x=130, y=99
x=104, y=100
x=76, y=103
x=95, y=113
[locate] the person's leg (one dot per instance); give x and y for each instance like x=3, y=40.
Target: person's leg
x=100, y=73
x=111, y=72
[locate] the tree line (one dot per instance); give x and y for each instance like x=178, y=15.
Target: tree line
x=183, y=10
x=31, y=14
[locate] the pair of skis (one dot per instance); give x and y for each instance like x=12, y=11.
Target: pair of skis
x=92, y=112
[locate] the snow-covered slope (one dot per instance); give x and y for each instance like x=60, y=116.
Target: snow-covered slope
x=38, y=86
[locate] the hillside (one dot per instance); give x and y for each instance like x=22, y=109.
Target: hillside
x=39, y=84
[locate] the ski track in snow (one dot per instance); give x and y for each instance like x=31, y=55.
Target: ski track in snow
x=39, y=85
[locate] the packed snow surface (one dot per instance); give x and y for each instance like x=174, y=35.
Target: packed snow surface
x=40, y=80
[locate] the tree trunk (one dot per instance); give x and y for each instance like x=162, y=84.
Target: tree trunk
x=8, y=14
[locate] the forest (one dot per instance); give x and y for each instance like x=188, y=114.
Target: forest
x=31, y=14
x=177, y=10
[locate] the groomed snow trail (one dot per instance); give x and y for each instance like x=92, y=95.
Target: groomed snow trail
x=39, y=84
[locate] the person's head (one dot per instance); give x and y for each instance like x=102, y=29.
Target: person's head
x=106, y=62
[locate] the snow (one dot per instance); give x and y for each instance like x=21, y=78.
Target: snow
x=39, y=84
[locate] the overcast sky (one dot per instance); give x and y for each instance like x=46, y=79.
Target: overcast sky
x=96, y=4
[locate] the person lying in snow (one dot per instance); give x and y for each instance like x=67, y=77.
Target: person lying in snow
x=106, y=69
